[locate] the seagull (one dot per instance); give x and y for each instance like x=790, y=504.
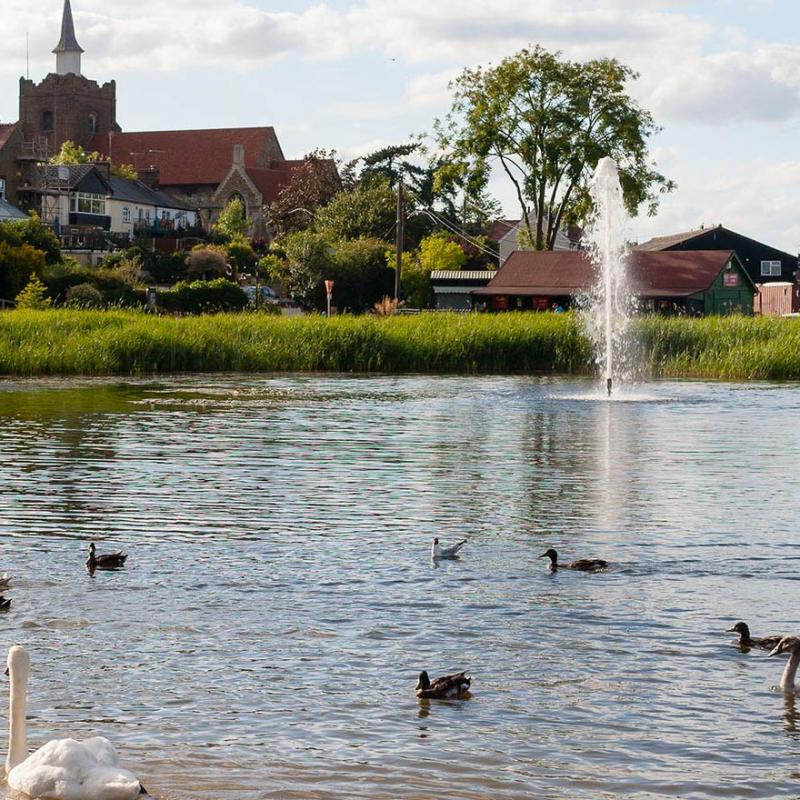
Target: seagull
x=437, y=551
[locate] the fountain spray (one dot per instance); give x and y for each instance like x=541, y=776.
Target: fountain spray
x=609, y=302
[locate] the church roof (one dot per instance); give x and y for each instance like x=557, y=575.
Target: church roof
x=68, y=42
x=186, y=158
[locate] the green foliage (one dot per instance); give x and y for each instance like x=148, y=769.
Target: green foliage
x=84, y=295
x=33, y=232
x=72, y=153
x=204, y=297
x=34, y=295
x=207, y=261
x=367, y=211
x=232, y=222
x=71, y=342
x=114, y=288
x=240, y=255
x=439, y=251
x=547, y=122
x=271, y=267
x=357, y=267
x=18, y=262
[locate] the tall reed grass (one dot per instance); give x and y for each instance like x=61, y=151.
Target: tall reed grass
x=84, y=342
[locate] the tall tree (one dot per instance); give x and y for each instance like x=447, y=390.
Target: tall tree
x=312, y=184
x=546, y=122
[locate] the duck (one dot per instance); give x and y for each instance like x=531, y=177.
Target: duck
x=104, y=561
x=62, y=769
x=444, y=687
x=791, y=645
x=582, y=564
x=746, y=640
x=5, y=581
x=437, y=551
x=5, y=603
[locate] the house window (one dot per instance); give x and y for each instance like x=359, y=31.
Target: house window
x=140, y=214
x=126, y=214
x=92, y=123
x=164, y=214
x=86, y=203
x=47, y=121
x=770, y=268
x=2, y=188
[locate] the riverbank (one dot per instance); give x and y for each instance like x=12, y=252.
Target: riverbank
x=73, y=342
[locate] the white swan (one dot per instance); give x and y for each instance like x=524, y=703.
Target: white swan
x=791, y=645
x=63, y=769
x=437, y=551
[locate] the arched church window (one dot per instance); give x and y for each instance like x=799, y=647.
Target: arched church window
x=47, y=121
x=92, y=123
x=237, y=196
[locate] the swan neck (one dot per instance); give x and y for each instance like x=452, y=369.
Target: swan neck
x=17, y=725
x=787, y=679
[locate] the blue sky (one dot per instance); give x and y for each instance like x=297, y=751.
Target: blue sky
x=722, y=77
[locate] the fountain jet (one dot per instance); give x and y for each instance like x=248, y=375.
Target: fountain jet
x=610, y=301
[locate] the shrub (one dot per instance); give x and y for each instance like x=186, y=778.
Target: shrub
x=206, y=262
x=203, y=297
x=84, y=295
x=34, y=295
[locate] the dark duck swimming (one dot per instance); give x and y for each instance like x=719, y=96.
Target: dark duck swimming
x=582, y=564
x=448, y=686
x=104, y=560
x=746, y=640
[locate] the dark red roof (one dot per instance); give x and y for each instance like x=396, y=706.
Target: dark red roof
x=271, y=180
x=567, y=272
x=190, y=157
x=6, y=129
x=500, y=227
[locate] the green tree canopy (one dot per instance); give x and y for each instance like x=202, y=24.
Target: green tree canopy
x=232, y=222
x=34, y=295
x=366, y=211
x=72, y=153
x=546, y=122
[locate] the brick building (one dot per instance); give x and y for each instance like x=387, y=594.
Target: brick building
x=203, y=168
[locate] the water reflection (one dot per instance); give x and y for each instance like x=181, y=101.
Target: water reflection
x=279, y=588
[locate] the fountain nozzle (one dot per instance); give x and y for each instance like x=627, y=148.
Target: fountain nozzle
x=608, y=386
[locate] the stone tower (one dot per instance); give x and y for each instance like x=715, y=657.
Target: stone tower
x=65, y=105
x=68, y=51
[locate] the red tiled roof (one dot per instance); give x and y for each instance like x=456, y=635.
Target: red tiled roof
x=6, y=129
x=270, y=181
x=500, y=227
x=566, y=272
x=189, y=157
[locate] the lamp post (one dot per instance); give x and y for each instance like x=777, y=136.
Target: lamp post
x=329, y=292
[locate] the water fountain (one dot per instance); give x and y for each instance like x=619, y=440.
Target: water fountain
x=608, y=306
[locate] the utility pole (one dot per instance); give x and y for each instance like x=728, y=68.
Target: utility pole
x=399, y=239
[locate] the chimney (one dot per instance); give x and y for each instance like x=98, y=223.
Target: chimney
x=104, y=168
x=149, y=176
x=238, y=155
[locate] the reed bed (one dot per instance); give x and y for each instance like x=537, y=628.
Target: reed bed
x=84, y=342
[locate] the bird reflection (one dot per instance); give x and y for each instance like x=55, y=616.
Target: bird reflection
x=791, y=714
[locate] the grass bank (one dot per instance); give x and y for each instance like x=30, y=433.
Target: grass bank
x=72, y=342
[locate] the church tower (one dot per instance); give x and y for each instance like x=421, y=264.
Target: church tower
x=68, y=51
x=66, y=105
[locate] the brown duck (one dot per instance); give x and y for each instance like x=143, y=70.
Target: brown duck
x=105, y=560
x=582, y=564
x=746, y=640
x=444, y=687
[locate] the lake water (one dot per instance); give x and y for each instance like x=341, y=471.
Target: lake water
x=279, y=600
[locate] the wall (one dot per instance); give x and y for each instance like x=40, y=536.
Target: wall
x=70, y=99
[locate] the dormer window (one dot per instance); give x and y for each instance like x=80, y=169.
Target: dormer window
x=47, y=121
x=92, y=123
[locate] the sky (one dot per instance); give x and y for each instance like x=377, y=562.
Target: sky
x=721, y=77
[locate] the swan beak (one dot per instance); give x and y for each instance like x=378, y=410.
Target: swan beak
x=543, y=555
x=775, y=650
x=732, y=630
x=6, y=671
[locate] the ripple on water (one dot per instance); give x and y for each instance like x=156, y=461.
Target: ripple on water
x=279, y=600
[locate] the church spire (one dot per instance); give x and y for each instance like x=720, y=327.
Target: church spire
x=68, y=51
